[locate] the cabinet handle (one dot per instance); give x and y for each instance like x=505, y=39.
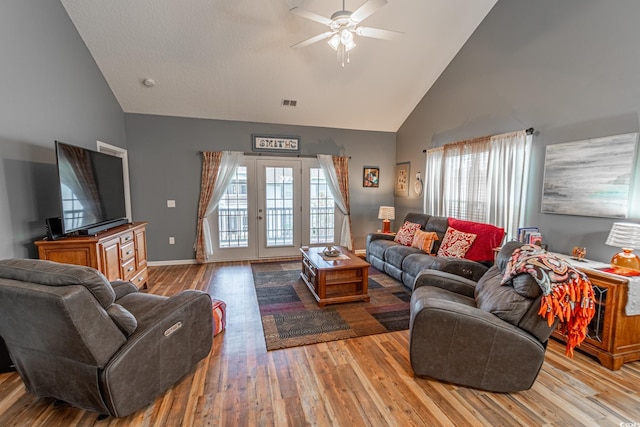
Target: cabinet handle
x=130, y=269
x=127, y=238
x=139, y=279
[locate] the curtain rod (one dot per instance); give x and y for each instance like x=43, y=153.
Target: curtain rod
x=529, y=131
x=310, y=156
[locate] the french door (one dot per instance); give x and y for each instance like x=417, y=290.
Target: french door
x=271, y=207
x=279, y=208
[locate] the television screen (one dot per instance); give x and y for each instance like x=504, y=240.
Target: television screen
x=91, y=188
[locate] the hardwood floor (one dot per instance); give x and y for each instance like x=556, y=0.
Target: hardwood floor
x=357, y=382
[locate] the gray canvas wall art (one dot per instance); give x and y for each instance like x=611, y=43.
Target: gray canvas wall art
x=590, y=177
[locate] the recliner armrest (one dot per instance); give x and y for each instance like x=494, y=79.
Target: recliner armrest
x=122, y=288
x=444, y=280
x=171, y=338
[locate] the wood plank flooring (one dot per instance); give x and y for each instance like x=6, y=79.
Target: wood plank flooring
x=364, y=381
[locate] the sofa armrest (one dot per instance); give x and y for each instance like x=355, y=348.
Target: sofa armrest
x=444, y=280
x=468, y=269
x=378, y=236
x=169, y=341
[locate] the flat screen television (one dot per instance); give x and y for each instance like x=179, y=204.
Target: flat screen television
x=92, y=197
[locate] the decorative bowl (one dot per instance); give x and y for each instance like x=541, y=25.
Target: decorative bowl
x=331, y=251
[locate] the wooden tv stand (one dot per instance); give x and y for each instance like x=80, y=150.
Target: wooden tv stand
x=119, y=253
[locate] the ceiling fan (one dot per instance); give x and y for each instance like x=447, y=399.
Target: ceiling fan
x=344, y=25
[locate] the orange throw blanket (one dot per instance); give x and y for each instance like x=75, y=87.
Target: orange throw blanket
x=567, y=293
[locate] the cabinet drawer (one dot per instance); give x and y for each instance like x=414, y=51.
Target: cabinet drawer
x=126, y=237
x=128, y=269
x=140, y=280
x=127, y=251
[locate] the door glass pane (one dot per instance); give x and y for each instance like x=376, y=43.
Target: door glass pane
x=322, y=208
x=279, y=206
x=233, y=221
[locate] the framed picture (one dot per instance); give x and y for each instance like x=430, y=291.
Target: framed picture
x=589, y=177
x=275, y=143
x=401, y=187
x=371, y=176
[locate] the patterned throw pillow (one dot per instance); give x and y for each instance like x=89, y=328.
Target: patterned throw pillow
x=456, y=243
x=424, y=240
x=406, y=233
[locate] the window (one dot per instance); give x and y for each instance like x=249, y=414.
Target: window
x=233, y=220
x=279, y=203
x=322, y=208
x=465, y=195
x=483, y=180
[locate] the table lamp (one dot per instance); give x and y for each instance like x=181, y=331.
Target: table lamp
x=386, y=213
x=625, y=235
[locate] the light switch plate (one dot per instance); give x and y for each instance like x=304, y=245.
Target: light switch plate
x=171, y=203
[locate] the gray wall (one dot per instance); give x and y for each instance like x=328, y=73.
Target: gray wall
x=165, y=164
x=570, y=69
x=50, y=88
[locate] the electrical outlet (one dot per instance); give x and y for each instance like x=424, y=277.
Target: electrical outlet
x=171, y=203
x=172, y=240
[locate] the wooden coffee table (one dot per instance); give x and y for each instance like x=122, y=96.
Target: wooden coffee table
x=335, y=279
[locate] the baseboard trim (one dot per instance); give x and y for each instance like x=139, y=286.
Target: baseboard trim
x=171, y=262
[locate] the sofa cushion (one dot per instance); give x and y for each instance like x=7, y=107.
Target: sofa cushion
x=406, y=233
x=413, y=264
x=56, y=274
x=502, y=301
x=439, y=225
x=455, y=243
x=396, y=254
x=419, y=218
x=424, y=240
x=489, y=237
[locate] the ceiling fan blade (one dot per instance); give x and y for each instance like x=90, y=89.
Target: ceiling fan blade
x=367, y=9
x=314, y=39
x=310, y=15
x=377, y=33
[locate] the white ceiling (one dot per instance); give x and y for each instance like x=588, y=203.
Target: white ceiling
x=231, y=59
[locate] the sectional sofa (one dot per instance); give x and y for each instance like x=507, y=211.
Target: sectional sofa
x=404, y=262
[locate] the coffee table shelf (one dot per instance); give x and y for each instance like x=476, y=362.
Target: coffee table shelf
x=335, y=280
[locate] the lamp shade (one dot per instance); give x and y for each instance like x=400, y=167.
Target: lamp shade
x=624, y=235
x=387, y=212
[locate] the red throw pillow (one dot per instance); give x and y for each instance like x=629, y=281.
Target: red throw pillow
x=456, y=243
x=406, y=233
x=489, y=237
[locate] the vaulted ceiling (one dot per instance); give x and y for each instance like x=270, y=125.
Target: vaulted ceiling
x=231, y=59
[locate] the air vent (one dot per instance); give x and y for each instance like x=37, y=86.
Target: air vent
x=289, y=103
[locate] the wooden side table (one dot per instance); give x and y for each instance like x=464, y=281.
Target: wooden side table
x=612, y=337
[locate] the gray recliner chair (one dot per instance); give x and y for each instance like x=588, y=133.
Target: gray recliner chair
x=482, y=335
x=101, y=346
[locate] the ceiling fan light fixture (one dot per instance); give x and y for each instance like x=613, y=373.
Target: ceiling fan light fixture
x=344, y=26
x=334, y=41
x=349, y=46
x=346, y=36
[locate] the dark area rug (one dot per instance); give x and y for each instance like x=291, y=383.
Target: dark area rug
x=291, y=316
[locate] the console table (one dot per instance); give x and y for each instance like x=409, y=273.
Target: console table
x=612, y=337
x=119, y=253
